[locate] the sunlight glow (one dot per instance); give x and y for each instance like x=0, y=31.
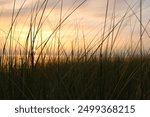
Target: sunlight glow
x=85, y=25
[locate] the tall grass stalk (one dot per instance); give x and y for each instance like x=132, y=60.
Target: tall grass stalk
x=101, y=79
x=141, y=49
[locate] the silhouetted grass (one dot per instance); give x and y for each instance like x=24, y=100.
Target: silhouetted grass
x=93, y=71
x=78, y=80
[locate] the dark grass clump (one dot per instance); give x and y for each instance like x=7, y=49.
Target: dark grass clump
x=78, y=80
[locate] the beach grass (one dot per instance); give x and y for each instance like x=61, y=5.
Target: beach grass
x=94, y=71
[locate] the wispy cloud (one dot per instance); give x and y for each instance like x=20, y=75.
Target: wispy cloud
x=95, y=7
x=90, y=17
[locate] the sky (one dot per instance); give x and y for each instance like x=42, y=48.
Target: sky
x=87, y=21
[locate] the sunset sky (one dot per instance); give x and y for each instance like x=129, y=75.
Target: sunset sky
x=88, y=20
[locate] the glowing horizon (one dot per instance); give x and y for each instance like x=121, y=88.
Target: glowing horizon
x=86, y=22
